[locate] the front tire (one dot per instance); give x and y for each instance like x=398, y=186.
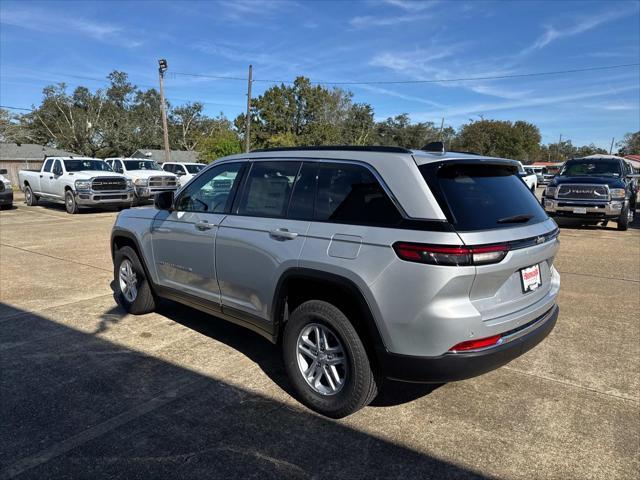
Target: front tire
x=327, y=362
x=132, y=285
x=70, y=203
x=625, y=218
x=29, y=197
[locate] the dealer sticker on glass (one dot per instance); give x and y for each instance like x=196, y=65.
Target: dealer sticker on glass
x=530, y=278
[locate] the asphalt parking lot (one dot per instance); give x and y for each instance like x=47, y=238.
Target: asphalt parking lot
x=90, y=392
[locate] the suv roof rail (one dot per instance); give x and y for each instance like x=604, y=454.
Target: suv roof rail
x=348, y=148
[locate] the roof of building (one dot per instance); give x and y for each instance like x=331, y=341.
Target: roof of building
x=158, y=155
x=30, y=151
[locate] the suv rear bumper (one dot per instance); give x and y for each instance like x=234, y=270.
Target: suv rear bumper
x=459, y=366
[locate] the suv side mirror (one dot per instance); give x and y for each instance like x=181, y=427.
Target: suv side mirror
x=179, y=173
x=163, y=200
x=57, y=171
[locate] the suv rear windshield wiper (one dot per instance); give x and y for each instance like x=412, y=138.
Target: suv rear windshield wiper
x=516, y=219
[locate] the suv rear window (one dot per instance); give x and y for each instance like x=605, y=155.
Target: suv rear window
x=482, y=196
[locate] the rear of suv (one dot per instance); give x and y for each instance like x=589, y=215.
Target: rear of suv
x=363, y=262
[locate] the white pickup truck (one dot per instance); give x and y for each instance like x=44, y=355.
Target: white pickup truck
x=147, y=176
x=76, y=182
x=531, y=179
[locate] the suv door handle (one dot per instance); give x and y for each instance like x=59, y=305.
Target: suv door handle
x=283, y=234
x=204, y=225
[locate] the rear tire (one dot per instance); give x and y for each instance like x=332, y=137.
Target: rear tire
x=138, y=298
x=70, y=203
x=626, y=217
x=330, y=397
x=29, y=197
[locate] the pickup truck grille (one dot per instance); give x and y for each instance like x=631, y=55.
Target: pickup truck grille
x=162, y=182
x=108, y=183
x=583, y=192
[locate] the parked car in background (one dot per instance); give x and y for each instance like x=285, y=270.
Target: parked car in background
x=76, y=182
x=528, y=177
x=185, y=171
x=594, y=189
x=6, y=191
x=362, y=262
x=147, y=176
x=539, y=173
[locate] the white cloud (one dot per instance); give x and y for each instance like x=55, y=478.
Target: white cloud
x=530, y=102
x=412, y=5
x=48, y=21
x=381, y=21
x=570, y=29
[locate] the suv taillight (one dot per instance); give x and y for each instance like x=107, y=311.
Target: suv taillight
x=446, y=255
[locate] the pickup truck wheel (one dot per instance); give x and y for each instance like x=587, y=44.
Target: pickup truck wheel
x=29, y=197
x=70, y=202
x=625, y=218
x=132, y=286
x=326, y=360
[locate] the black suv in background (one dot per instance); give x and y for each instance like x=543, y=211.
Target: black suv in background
x=596, y=189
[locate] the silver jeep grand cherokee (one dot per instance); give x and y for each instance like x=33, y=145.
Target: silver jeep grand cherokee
x=363, y=262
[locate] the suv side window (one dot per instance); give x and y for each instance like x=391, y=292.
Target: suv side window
x=212, y=191
x=268, y=188
x=352, y=194
x=304, y=193
x=47, y=166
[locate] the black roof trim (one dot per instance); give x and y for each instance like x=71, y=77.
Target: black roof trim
x=345, y=148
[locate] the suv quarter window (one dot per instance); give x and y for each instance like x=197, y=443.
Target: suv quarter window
x=212, y=192
x=348, y=193
x=267, y=189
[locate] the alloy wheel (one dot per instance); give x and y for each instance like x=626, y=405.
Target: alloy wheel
x=128, y=281
x=321, y=359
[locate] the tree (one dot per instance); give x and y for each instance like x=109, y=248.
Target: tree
x=630, y=144
x=217, y=138
x=187, y=125
x=519, y=140
x=399, y=131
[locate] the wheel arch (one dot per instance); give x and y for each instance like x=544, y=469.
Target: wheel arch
x=125, y=238
x=297, y=285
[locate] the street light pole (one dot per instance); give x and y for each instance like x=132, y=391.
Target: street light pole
x=163, y=107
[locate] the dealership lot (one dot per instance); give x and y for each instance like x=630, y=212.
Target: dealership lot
x=90, y=391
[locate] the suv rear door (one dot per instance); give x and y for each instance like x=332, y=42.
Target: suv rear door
x=488, y=204
x=183, y=239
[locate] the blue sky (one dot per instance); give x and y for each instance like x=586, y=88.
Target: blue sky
x=338, y=41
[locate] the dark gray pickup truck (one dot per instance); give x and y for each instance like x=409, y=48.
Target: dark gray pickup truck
x=595, y=189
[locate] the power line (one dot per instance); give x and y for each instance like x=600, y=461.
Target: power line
x=405, y=82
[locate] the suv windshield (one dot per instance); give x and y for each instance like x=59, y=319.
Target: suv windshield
x=79, y=165
x=602, y=167
x=482, y=197
x=194, y=168
x=141, y=165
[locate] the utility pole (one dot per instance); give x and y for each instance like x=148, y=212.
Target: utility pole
x=559, y=145
x=247, y=130
x=162, y=63
x=441, y=128
x=611, y=147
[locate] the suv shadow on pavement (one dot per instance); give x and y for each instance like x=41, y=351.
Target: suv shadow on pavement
x=81, y=406
x=262, y=352
x=267, y=355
